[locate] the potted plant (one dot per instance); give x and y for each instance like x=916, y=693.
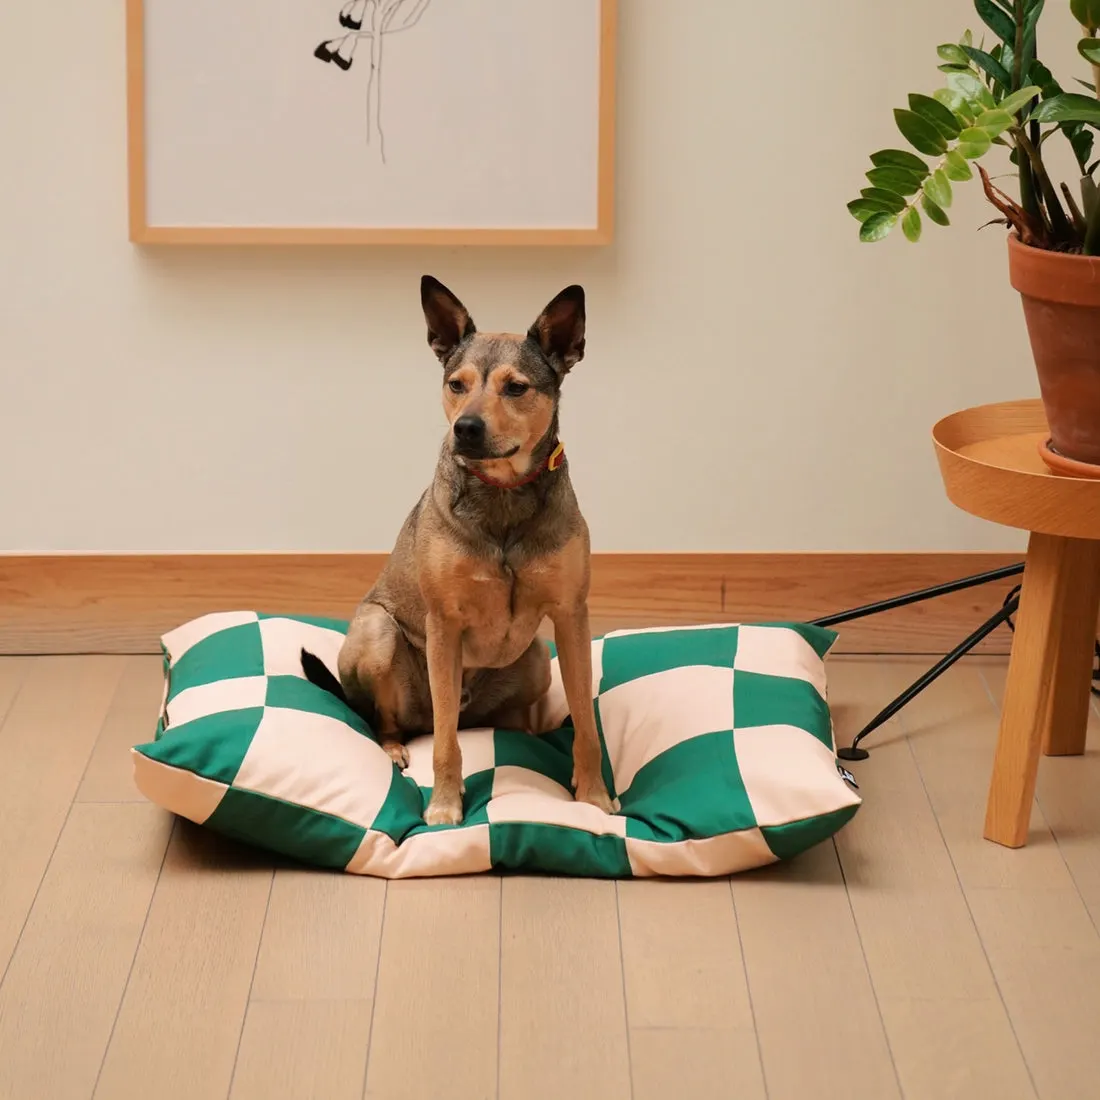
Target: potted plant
x=999, y=96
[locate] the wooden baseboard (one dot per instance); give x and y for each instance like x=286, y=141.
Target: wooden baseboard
x=122, y=604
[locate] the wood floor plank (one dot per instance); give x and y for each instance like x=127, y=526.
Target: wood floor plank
x=321, y=938
x=687, y=996
x=303, y=1050
x=924, y=954
x=952, y=730
x=811, y=993
x=13, y=671
x=48, y=735
x=562, y=1011
x=62, y=991
x=1043, y=947
x=435, y=1023
x=1046, y=955
x=184, y=1007
x=1068, y=792
x=131, y=720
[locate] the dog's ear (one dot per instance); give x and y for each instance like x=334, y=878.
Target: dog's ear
x=559, y=330
x=448, y=321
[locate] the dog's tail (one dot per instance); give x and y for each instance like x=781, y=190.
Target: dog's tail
x=317, y=673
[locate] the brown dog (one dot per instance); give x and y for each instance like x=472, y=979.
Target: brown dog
x=448, y=635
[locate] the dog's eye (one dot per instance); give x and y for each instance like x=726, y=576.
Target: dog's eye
x=516, y=389
x=455, y=386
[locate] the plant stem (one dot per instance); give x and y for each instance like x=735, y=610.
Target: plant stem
x=1092, y=235
x=1018, y=47
x=1029, y=200
x=1059, y=224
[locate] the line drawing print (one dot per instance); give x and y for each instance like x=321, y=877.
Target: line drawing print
x=373, y=20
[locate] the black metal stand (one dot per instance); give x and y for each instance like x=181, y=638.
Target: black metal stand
x=1004, y=615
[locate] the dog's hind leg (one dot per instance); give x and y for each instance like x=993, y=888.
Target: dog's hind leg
x=379, y=670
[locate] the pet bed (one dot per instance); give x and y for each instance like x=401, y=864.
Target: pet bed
x=716, y=739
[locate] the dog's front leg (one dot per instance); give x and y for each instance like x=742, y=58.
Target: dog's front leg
x=444, y=645
x=575, y=657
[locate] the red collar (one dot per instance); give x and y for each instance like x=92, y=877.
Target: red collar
x=551, y=462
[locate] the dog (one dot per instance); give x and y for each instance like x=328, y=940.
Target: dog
x=447, y=637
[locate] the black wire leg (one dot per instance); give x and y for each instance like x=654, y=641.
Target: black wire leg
x=854, y=752
x=922, y=594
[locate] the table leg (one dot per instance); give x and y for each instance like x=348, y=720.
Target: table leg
x=1054, y=565
x=1070, y=694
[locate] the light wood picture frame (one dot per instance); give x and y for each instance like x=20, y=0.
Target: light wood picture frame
x=497, y=126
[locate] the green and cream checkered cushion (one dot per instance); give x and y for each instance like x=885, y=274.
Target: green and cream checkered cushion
x=717, y=740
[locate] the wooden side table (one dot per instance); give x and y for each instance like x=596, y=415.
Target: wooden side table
x=991, y=468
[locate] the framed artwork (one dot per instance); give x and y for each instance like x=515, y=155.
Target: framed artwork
x=446, y=122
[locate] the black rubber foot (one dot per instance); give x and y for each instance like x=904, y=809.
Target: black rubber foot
x=855, y=753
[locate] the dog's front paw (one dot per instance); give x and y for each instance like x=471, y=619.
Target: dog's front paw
x=445, y=808
x=397, y=752
x=596, y=795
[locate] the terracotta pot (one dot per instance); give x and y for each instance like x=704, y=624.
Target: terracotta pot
x=1061, y=296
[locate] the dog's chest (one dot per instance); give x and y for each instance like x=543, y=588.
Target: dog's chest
x=501, y=607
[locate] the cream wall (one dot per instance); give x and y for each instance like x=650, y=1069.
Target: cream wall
x=756, y=380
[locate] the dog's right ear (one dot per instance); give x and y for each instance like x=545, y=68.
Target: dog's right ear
x=448, y=321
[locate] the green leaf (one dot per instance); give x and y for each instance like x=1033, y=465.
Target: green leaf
x=990, y=65
x=1089, y=49
x=1087, y=84
x=1068, y=107
x=953, y=55
x=876, y=227
x=910, y=224
x=1016, y=102
x=1081, y=141
x=951, y=99
x=938, y=189
x=974, y=143
x=899, y=158
x=897, y=180
x=971, y=88
x=934, y=212
x=994, y=122
x=887, y=200
x=1086, y=12
x=922, y=135
x=956, y=167
x=862, y=209
x=996, y=19
x=931, y=110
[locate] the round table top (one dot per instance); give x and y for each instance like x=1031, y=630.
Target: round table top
x=989, y=459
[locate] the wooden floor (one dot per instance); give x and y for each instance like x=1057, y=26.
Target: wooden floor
x=145, y=960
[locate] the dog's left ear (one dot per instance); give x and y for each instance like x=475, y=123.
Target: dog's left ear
x=559, y=330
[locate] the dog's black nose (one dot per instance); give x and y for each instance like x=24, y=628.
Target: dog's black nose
x=470, y=431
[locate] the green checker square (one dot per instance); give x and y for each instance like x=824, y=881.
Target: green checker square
x=212, y=746
x=303, y=834
x=295, y=693
x=556, y=849
x=475, y=801
x=761, y=700
x=231, y=653
x=550, y=755
x=630, y=656
x=403, y=809
x=789, y=840
x=692, y=790
x=340, y=625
